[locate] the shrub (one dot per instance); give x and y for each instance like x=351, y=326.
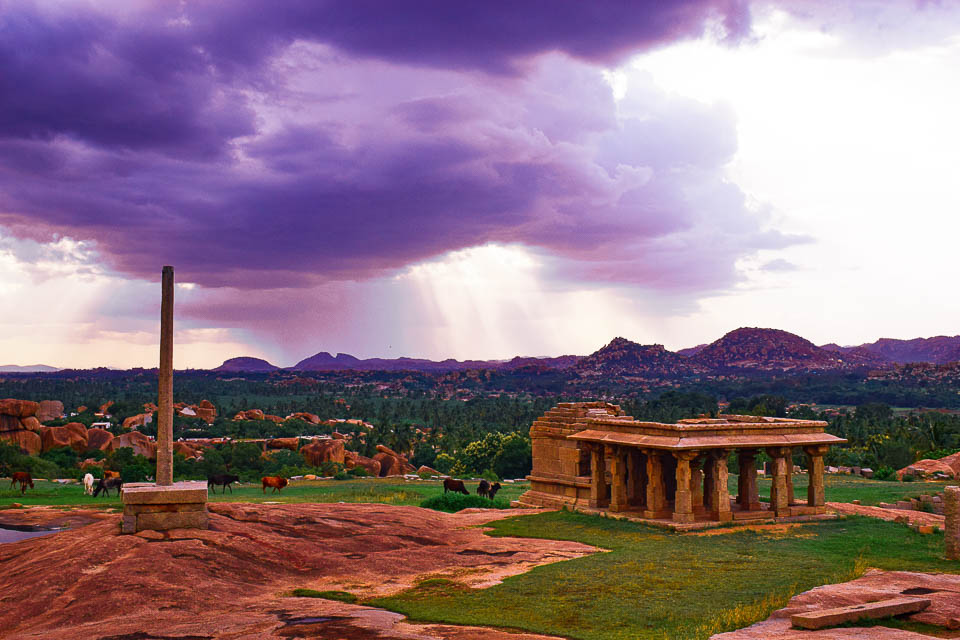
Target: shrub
x=453, y=502
x=341, y=475
x=885, y=473
x=358, y=472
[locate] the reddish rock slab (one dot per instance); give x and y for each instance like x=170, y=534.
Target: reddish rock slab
x=19, y=408
x=913, y=517
x=227, y=582
x=73, y=435
x=941, y=589
x=99, y=439
x=823, y=618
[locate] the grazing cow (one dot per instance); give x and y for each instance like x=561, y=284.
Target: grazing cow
x=449, y=484
x=224, y=479
x=483, y=489
x=88, y=484
x=107, y=474
x=23, y=478
x=276, y=482
x=105, y=484
x=493, y=490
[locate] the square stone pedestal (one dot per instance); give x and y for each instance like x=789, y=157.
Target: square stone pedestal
x=181, y=505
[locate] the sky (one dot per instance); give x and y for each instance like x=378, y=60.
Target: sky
x=472, y=179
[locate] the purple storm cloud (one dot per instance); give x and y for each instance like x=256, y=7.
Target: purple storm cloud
x=262, y=146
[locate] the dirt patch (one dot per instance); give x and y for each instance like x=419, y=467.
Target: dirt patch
x=774, y=529
x=92, y=583
x=943, y=590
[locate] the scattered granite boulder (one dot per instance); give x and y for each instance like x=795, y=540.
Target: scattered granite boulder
x=99, y=440
x=391, y=462
x=206, y=411
x=306, y=417
x=90, y=462
x=49, y=410
x=141, y=444
x=284, y=443
x=137, y=421
x=424, y=469
x=249, y=414
x=19, y=408
x=28, y=441
x=353, y=459
x=31, y=423
x=186, y=450
x=105, y=407
x=73, y=435
x=320, y=451
x=925, y=468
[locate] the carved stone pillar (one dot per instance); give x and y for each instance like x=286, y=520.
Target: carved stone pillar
x=779, y=499
x=656, y=493
x=618, y=482
x=815, y=493
x=696, y=482
x=708, y=482
x=719, y=492
x=791, y=498
x=598, y=473
x=683, y=497
x=747, y=495
x=951, y=524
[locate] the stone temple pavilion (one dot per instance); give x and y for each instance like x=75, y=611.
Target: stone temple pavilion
x=590, y=456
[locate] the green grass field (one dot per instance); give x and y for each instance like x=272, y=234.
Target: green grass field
x=385, y=490
x=656, y=584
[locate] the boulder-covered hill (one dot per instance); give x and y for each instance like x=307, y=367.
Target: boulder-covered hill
x=766, y=350
x=936, y=350
x=245, y=363
x=324, y=361
x=623, y=357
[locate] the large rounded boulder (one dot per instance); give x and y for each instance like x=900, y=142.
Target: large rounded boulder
x=73, y=435
x=49, y=410
x=141, y=444
x=284, y=443
x=99, y=440
x=28, y=441
x=391, y=462
x=19, y=408
x=320, y=451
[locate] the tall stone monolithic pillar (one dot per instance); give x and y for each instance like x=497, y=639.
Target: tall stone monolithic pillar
x=951, y=525
x=165, y=401
x=815, y=492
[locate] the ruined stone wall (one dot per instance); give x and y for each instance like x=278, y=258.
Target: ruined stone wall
x=561, y=471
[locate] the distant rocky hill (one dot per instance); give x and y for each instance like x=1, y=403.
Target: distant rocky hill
x=245, y=363
x=30, y=368
x=623, y=357
x=766, y=350
x=936, y=350
x=324, y=361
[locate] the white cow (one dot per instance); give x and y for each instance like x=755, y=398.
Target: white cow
x=88, y=484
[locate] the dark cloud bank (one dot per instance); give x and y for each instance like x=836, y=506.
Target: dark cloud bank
x=264, y=145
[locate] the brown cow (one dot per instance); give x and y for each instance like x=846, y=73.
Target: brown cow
x=276, y=482
x=23, y=478
x=449, y=484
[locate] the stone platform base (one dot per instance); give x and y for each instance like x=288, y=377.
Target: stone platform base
x=147, y=506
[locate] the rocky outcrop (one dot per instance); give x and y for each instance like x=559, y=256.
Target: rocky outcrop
x=391, y=462
x=284, y=443
x=141, y=444
x=90, y=583
x=940, y=589
x=948, y=466
x=99, y=440
x=765, y=350
x=249, y=414
x=320, y=451
x=49, y=410
x=28, y=441
x=353, y=459
x=623, y=357
x=424, y=469
x=312, y=418
x=105, y=407
x=73, y=435
x=137, y=421
x=206, y=411
x=19, y=425
x=186, y=450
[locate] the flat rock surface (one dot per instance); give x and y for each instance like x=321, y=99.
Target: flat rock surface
x=91, y=583
x=943, y=591
x=915, y=517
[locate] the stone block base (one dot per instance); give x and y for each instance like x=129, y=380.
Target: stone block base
x=149, y=507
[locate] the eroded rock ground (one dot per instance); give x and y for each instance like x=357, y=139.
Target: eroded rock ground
x=943, y=590
x=91, y=583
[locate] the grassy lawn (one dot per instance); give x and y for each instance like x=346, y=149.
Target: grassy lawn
x=655, y=584
x=843, y=488
x=385, y=490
